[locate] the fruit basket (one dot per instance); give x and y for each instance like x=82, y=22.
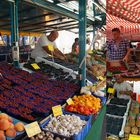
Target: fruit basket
x=80, y=136
x=116, y=110
x=117, y=101
x=117, y=67
x=84, y=105
x=113, y=125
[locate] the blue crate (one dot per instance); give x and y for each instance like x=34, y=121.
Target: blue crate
x=81, y=135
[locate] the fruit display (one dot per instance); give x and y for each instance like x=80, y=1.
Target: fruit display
x=69, y=65
x=31, y=96
x=116, y=110
x=51, y=71
x=58, y=73
x=133, y=71
x=116, y=67
x=132, y=125
x=46, y=136
x=113, y=125
x=98, y=70
x=8, y=128
x=66, y=125
x=118, y=101
x=85, y=104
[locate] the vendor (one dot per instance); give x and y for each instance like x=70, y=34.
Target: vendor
x=123, y=88
x=75, y=46
x=42, y=48
x=118, y=48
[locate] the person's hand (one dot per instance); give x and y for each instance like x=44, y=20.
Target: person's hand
x=62, y=58
x=122, y=92
x=125, y=59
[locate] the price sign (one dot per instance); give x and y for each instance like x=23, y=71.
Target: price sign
x=111, y=90
x=32, y=129
x=70, y=101
x=134, y=137
x=50, y=47
x=57, y=110
x=35, y=66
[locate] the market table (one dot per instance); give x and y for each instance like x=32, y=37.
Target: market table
x=96, y=130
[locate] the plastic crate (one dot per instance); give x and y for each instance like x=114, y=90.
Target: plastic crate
x=81, y=135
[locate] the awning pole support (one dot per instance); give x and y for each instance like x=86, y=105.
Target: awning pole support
x=14, y=32
x=82, y=41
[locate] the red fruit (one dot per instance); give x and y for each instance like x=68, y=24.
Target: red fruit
x=70, y=108
x=87, y=112
x=91, y=110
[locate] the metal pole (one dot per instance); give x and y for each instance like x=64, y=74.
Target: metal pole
x=14, y=32
x=23, y=41
x=8, y=40
x=82, y=41
x=94, y=14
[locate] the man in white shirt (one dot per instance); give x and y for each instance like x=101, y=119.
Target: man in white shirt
x=122, y=88
x=42, y=47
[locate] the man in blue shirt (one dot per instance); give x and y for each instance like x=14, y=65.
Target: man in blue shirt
x=118, y=48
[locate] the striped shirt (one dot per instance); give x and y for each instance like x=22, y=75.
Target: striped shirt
x=115, y=52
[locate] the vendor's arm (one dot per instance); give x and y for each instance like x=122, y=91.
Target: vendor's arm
x=47, y=49
x=59, y=54
x=127, y=54
x=128, y=51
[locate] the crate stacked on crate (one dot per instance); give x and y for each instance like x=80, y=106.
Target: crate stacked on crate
x=31, y=96
x=116, y=114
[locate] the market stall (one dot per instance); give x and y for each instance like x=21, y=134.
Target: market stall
x=44, y=97
x=128, y=24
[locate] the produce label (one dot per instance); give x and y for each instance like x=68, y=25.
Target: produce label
x=35, y=66
x=70, y=101
x=101, y=78
x=134, y=137
x=32, y=129
x=57, y=110
x=50, y=47
x=111, y=90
